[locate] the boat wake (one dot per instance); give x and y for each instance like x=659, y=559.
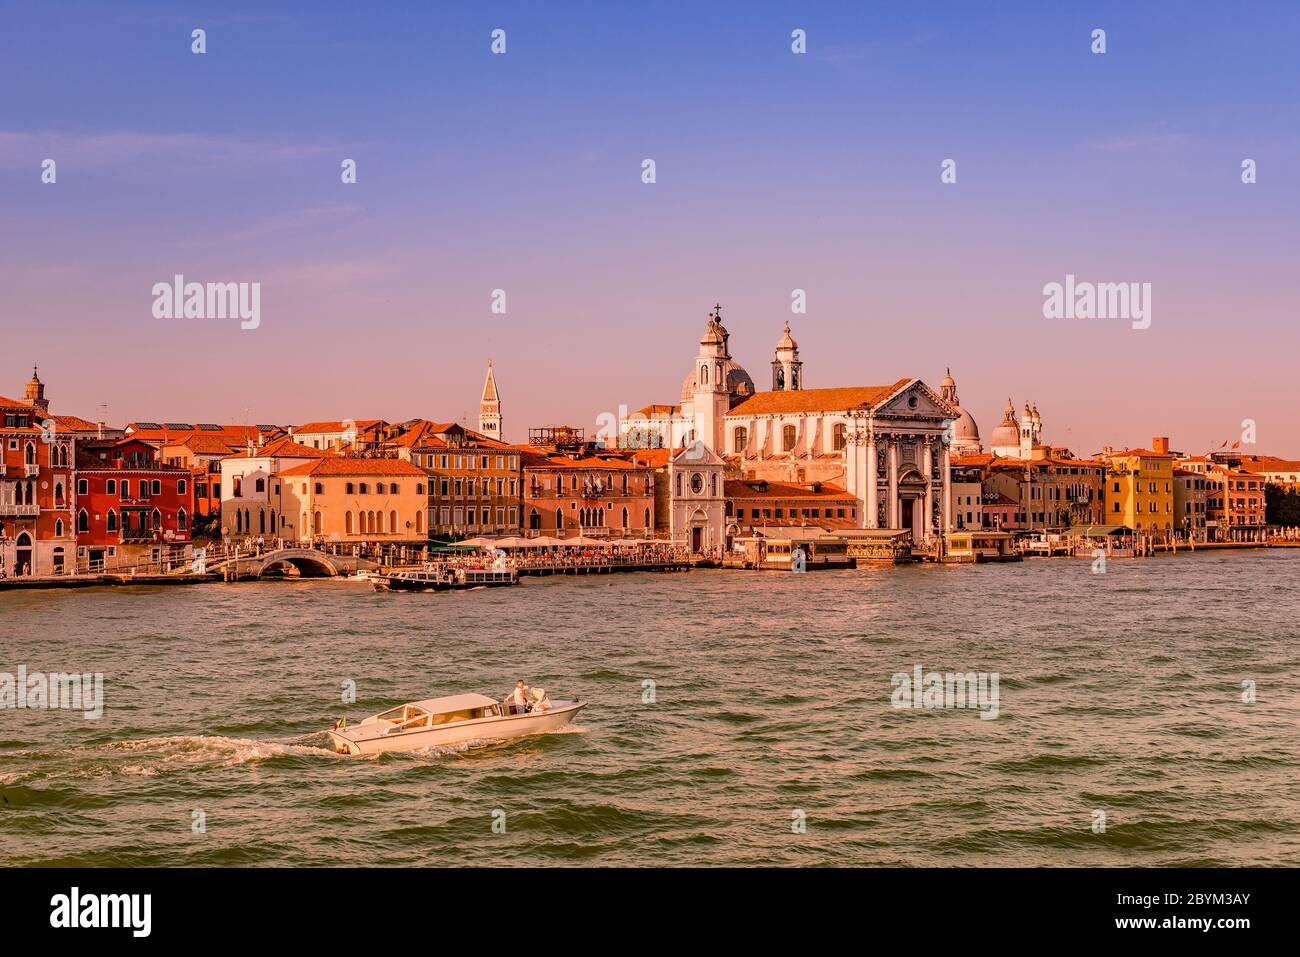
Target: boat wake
x=149, y=757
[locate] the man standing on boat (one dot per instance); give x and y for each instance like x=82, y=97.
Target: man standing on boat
x=520, y=698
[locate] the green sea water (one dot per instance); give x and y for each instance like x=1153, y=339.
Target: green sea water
x=733, y=718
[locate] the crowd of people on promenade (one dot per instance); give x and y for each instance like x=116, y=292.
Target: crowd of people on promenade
x=388, y=553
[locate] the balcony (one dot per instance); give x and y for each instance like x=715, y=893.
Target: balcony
x=31, y=471
x=137, y=535
x=19, y=511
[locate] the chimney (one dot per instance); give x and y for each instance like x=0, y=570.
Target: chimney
x=1160, y=444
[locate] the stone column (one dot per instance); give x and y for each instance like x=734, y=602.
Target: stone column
x=927, y=460
x=873, y=505
x=945, y=473
x=892, y=519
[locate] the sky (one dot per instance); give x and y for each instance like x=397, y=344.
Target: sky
x=775, y=171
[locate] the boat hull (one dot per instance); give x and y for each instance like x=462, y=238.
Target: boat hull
x=354, y=741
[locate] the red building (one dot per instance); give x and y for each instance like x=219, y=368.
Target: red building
x=571, y=487
x=36, y=457
x=131, y=508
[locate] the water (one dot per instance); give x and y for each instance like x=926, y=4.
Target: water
x=1119, y=692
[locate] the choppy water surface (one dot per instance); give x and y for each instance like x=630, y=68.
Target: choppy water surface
x=1119, y=692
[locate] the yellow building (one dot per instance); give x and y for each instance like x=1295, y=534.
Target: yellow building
x=1140, y=489
x=342, y=499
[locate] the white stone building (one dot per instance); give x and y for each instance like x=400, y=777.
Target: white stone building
x=887, y=445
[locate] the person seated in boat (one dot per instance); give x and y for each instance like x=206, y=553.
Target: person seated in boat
x=520, y=700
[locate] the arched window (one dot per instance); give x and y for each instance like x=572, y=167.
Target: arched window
x=315, y=523
x=365, y=489
x=559, y=518
x=112, y=521
x=625, y=517
x=58, y=493
x=419, y=522
x=704, y=375
x=679, y=484
x=647, y=518
x=392, y=522
x=29, y=454
x=58, y=526
x=261, y=522
x=739, y=439
x=347, y=523
x=534, y=520
x=787, y=438
x=379, y=488
x=837, y=436
x=182, y=520
x=156, y=520
x=713, y=484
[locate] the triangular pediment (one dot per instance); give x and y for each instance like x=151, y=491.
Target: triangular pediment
x=915, y=400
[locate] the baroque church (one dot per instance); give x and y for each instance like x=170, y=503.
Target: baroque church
x=887, y=445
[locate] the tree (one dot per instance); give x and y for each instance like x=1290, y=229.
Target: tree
x=1281, y=505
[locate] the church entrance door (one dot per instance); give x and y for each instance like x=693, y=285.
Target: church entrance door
x=697, y=539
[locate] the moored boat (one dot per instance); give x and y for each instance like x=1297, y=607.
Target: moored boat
x=445, y=579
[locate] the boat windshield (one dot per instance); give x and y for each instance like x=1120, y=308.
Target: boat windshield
x=402, y=715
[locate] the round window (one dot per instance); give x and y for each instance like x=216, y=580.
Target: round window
x=911, y=402
x=697, y=483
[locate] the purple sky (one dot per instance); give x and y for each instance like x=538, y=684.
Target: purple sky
x=776, y=171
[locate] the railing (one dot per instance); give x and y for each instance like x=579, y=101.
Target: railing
x=19, y=511
x=31, y=471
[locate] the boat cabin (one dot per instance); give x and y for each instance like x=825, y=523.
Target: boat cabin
x=432, y=712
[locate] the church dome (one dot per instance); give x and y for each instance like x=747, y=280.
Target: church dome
x=739, y=384
x=1007, y=434
x=964, y=430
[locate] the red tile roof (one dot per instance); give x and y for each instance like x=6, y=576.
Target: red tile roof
x=339, y=465
x=738, y=489
x=817, y=400
x=285, y=448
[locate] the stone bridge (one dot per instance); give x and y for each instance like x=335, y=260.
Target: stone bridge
x=310, y=563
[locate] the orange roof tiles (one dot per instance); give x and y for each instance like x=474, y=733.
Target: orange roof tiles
x=285, y=448
x=338, y=465
x=817, y=400
x=744, y=488
x=328, y=426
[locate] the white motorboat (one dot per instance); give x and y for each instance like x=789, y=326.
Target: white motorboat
x=442, y=721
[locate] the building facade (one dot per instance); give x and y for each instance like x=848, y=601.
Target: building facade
x=348, y=499
x=37, y=531
x=1140, y=489
x=133, y=510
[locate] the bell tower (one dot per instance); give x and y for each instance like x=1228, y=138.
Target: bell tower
x=709, y=398
x=787, y=368
x=35, y=394
x=489, y=407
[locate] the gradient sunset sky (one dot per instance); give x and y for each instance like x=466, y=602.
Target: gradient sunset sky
x=775, y=171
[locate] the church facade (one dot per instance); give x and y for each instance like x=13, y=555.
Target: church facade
x=887, y=445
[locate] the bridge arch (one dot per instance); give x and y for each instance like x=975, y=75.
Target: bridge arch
x=310, y=563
